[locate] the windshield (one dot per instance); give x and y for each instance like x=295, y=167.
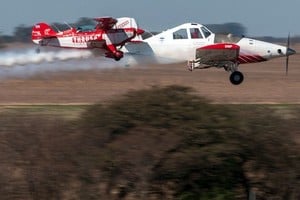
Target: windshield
x=85, y=28
x=205, y=31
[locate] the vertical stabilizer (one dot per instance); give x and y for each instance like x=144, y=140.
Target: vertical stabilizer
x=128, y=23
x=41, y=31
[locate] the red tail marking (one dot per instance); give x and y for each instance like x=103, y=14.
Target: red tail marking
x=42, y=30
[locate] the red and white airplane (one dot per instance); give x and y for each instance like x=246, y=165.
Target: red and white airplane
x=109, y=35
x=191, y=42
x=201, y=48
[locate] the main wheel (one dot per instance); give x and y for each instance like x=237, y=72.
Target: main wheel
x=236, y=78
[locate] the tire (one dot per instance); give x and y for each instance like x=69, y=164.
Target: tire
x=117, y=58
x=236, y=78
x=38, y=50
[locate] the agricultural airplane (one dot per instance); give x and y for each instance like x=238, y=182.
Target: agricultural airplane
x=109, y=35
x=202, y=49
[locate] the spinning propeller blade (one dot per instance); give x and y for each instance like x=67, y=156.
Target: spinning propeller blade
x=289, y=52
x=287, y=56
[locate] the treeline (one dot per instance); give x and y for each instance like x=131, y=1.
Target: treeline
x=162, y=143
x=238, y=29
x=22, y=33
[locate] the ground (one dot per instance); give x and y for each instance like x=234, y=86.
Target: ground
x=264, y=83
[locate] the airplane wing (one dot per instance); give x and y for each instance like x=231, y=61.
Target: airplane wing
x=105, y=23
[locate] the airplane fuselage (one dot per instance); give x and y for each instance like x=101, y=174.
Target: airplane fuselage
x=83, y=40
x=183, y=48
x=203, y=49
x=108, y=35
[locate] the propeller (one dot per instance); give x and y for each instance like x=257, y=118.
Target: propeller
x=287, y=56
x=289, y=52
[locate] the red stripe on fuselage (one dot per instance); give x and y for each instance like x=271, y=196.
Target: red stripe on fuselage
x=250, y=59
x=221, y=46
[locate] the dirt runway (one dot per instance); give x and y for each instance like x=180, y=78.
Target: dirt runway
x=264, y=83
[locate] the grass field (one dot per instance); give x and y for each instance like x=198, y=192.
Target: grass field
x=73, y=112
x=264, y=83
x=284, y=111
x=64, y=111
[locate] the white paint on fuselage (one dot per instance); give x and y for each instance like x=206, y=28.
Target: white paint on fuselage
x=163, y=48
x=69, y=43
x=266, y=50
x=81, y=40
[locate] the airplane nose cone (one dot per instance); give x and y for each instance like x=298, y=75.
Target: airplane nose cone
x=290, y=52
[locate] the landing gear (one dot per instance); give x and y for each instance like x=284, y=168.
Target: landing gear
x=236, y=78
x=38, y=50
x=117, y=55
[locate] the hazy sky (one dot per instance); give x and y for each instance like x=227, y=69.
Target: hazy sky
x=260, y=17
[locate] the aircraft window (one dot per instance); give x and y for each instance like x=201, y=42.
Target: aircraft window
x=195, y=33
x=86, y=28
x=180, y=34
x=205, y=31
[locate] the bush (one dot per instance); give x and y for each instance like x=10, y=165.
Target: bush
x=157, y=144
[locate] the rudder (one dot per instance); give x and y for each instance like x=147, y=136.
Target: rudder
x=40, y=31
x=128, y=22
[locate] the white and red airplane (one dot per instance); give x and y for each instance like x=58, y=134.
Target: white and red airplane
x=109, y=35
x=191, y=42
x=201, y=48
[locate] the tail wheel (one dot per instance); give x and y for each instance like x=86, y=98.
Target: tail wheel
x=38, y=50
x=236, y=78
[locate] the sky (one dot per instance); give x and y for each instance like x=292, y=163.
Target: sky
x=261, y=17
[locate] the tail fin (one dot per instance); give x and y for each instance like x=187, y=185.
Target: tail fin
x=41, y=31
x=127, y=22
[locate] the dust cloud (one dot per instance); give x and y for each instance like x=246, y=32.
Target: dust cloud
x=24, y=63
x=30, y=56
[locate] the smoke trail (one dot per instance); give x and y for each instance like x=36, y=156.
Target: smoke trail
x=25, y=57
x=24, y=63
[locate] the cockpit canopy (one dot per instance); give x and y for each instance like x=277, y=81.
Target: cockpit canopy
x=85, y=28
x=198, y=31
x=192, y=31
